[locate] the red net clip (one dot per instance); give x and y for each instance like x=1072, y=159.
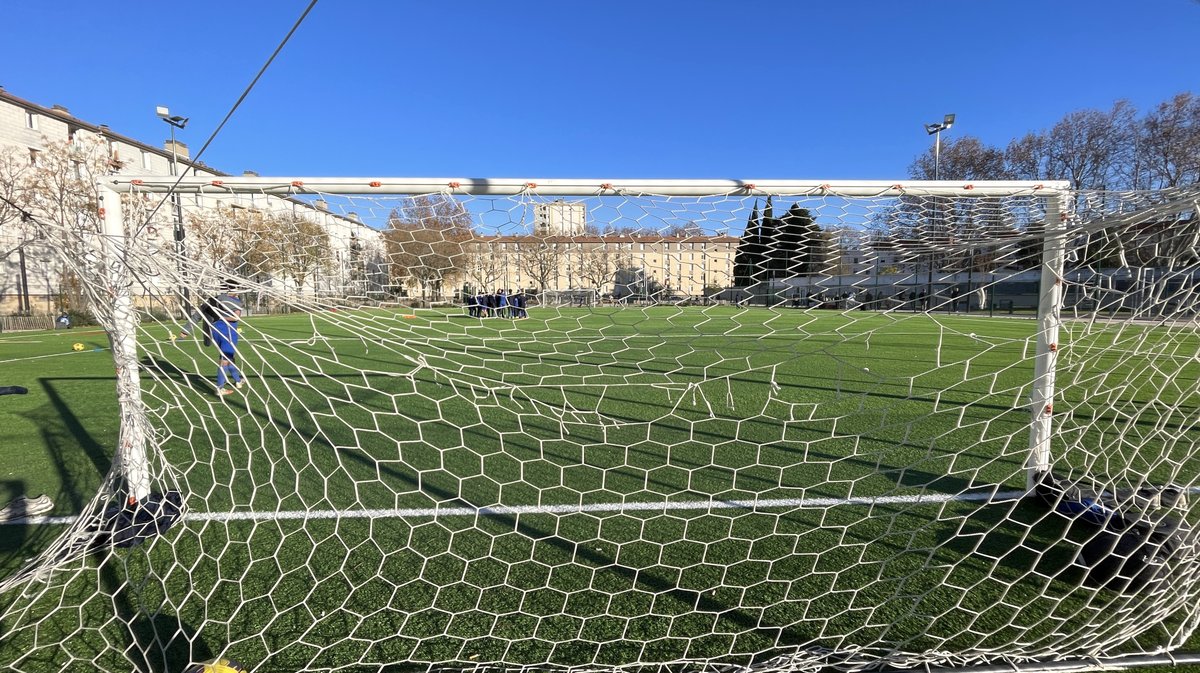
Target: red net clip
x=136, y=182
x=217, y=183
x=1049, y=409
x=898, y=187
x=375, y=183
x=751, y=187
x=1037, y=187
x=824, y=187
x=297, y=183
x=968, y=187
x=100, y=212
x=606, y=185
x=530, y=185
x=454, y=185
x=1053, y=348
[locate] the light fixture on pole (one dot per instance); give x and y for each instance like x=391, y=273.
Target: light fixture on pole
x=176, y=122
x=935, y=130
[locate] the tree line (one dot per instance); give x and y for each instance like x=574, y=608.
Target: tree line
x=1107, y=150
x=432, y=238
x=1114, y=149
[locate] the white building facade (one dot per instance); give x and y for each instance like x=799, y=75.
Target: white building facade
x=32, y=276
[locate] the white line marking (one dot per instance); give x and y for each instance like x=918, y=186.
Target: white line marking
x=52, y=355
x=502, y=510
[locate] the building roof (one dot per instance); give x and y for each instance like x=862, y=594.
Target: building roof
x=62, y=113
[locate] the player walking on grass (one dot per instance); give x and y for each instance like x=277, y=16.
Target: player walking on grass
x=225, y=337
x=207, y=315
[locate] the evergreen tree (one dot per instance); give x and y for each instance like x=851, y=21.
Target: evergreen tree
x=773, y=251
x=749, y=262
x=819, y=245
x=793, y=243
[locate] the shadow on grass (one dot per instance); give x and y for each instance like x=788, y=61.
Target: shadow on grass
x=163, y=643
x=1020, y=538
x=747, y=619
x=156, y=642
x=17, y=540
x=170, y=370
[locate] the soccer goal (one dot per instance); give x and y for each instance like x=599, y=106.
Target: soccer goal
x=893, y=424
x=569, y=297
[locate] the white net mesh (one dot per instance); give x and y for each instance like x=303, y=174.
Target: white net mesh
x=630, y=431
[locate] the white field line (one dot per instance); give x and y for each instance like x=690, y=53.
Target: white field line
x=52, y=355
x=501, y=510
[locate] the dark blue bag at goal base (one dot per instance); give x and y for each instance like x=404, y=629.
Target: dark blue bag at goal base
x=1132, y=543
x=132, y=524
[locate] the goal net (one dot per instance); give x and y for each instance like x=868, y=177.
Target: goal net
x=788, y=426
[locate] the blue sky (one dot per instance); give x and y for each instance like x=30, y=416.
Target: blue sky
x=786, y=89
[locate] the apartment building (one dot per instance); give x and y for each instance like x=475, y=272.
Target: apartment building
x=32, y=274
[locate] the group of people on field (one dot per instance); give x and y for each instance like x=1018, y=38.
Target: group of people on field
x=498, y=304
x=219, y=317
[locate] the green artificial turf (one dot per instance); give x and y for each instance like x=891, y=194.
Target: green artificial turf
x=593, y=441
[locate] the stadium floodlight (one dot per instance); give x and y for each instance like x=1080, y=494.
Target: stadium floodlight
x=935, y=130
x=175, y=121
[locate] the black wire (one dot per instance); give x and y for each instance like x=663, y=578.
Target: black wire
x=233, y=109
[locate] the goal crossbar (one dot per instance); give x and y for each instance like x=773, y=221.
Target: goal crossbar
x=578, y=186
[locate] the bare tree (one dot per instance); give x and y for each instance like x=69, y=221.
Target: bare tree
x=1091, y=148
x=1028, y=158
x=239, y=241
x=964, y=158
x=597, y=265
x=1169, y=147
x=15, y=171
x=485, y=262
x=62, y=183
x=539, y=257
x=686, y=230
x=425, y=240
x=62, y=194
x=300, y=248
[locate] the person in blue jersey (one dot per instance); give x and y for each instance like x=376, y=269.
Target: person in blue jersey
x=225, y=338
x=208, y=313
x=520, y=298
x=501, y=304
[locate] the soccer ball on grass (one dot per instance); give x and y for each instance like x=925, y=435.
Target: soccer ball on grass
x=77, y=347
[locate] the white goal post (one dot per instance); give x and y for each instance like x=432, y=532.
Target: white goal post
x=845, y=425
x=1052, y=192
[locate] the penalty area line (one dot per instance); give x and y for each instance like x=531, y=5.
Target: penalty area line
x=986, y=497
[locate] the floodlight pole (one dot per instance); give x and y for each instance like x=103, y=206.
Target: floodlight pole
x=177, y=122
x=937, y=155
x=935, y=130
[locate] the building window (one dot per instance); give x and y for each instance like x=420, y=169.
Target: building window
x=31, y=120
x=35, y=158
x=146, y=160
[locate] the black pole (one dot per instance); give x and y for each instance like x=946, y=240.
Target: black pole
x=23, y=297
